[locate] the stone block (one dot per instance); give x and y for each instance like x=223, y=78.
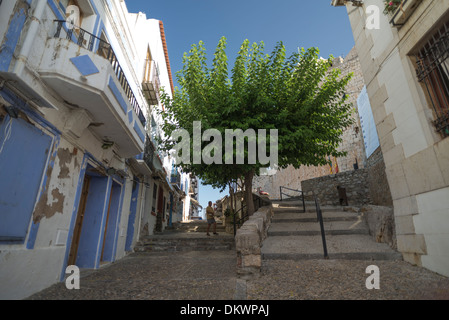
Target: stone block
x=387, y=142
x=412, y=258
x=394, y=156
x=247, y=241
x=405, y=225
x=252, y=260
x=397, y=181
x=405, y=206
x=386, y=126
x=442, y=155
x=378, y=99
x=413, y=243
x=381, y=224
x=256, y=224
x=422, y=172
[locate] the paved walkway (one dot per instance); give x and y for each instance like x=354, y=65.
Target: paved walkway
x=210, y=275
x=196, y=275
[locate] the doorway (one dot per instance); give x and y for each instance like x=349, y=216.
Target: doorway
x=111, y=228
x=160, y=209
x=79, y=222
x=96, y=228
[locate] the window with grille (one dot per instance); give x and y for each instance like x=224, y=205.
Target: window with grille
x=433, y=72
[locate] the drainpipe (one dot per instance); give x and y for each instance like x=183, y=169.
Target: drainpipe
x=142, y=196
x=30, y=36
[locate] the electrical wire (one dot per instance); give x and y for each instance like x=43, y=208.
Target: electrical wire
x=8, y=129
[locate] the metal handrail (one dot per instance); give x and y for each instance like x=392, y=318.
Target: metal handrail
x=319, y=215
x=245, y=217
x=300, y=191
x=86, y=40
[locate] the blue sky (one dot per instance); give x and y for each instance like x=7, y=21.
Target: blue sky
x=298, y=23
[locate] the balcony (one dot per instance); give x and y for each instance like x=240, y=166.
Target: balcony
x=175, y=180
x=400, y=16
x=151, y=83
x=84, y=70
x=143, y=163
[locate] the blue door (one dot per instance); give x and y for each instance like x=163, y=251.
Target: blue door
x=24, y=153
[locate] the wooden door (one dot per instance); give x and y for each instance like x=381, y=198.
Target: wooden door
x=79, y=222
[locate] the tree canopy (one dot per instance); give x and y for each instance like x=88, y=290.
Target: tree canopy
x=300, y=96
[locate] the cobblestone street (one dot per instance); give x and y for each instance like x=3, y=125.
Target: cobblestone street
x=205, y=275
x=210, y=275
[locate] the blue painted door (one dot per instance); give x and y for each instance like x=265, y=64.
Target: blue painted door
x=132, y=217
x=94, y=221
x=112, y=224
x=24, y=153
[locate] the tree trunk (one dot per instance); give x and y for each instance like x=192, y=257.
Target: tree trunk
x=249, y=192
x=231, y=193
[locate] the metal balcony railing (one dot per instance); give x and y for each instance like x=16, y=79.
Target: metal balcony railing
x=149, y=153
x=151, y=83
x=175, y=179
x=87, y=41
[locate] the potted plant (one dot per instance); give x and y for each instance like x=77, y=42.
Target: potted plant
x=392, y=5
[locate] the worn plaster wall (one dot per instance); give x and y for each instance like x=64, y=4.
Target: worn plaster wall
x=25, y=271
x=415, y=156
x=40, y=261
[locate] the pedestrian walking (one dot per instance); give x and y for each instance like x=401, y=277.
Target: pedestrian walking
x=210, y=216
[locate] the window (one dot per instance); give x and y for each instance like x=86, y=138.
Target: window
x=153, y=206
x=104, y=48
x=433, y=72
x=24, y=151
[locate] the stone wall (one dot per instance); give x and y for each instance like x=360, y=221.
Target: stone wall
x=289, y=177
x=381, y=225
x=248, y=242
x=352, y=136
x=325, y=188
x=377, y=180
x=363, y=186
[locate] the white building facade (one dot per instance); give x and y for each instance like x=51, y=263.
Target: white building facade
x=80, y=178
x=404, y=57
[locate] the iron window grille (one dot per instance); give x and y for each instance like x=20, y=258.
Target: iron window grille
x=433, y=71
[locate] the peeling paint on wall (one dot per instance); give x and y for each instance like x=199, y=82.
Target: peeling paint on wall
x=52, y=199
x=65, y=157
x=11, y=39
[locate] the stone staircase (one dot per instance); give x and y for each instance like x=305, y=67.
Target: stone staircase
x=295, y=235
x=187, y=236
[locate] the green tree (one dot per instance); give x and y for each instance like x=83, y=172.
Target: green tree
x=301, y=96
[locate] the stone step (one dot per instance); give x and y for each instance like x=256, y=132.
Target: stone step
x=310, y=209
x=370, y=256
x=292, y=203
x=197, y=226
x=312, y=216
x=351, y=247
x=185, y=242
x=313, y=228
